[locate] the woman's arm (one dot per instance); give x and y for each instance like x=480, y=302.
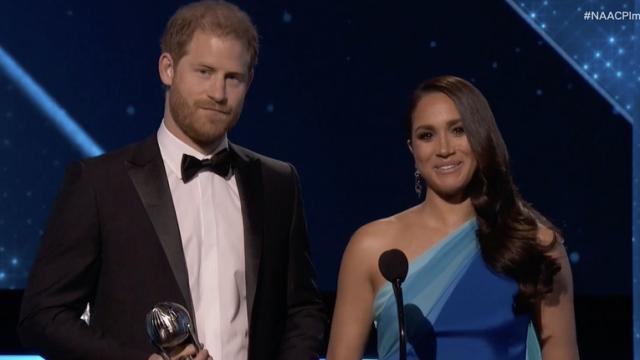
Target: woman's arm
x=555, y=319
x=352, y=315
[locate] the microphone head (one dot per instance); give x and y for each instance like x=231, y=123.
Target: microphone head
x=393, y=265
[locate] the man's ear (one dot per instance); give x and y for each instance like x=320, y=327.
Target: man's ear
x=166, y=69
x=249, y=78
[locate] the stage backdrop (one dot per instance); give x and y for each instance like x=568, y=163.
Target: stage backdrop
x=330, y=95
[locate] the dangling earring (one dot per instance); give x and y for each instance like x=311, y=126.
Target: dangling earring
x=418, y=185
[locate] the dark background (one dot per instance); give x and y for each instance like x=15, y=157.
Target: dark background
x=330, y=95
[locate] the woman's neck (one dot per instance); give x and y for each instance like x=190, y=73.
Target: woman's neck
x=445, y=213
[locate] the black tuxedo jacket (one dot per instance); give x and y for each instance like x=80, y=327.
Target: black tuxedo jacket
x=112, y=240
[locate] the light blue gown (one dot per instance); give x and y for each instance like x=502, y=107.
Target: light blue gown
x=456, y=307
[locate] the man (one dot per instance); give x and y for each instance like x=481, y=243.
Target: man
x=184, y=216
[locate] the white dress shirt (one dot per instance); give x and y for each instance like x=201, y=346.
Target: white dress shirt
x=212, y=232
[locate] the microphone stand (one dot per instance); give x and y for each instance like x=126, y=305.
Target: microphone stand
x=397, y=291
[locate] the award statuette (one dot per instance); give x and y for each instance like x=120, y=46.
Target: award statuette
x=169, y=327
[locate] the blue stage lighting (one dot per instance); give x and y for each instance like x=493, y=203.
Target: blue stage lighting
x=48, y=106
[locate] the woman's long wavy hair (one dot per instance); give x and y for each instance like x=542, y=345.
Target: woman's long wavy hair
x=507, y=225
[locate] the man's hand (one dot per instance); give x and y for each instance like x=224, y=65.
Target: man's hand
x=187, y=351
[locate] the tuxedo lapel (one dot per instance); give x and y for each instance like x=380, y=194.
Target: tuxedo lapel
x=146, y=170
x=250, y=188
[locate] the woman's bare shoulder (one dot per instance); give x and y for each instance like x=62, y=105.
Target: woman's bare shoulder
x=379, y=235
x=552, y=240
x=375, y=233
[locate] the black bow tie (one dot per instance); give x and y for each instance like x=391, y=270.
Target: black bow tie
x=220, y=164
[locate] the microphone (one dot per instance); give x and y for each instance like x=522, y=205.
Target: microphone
x=169, y=327
x=393, y=265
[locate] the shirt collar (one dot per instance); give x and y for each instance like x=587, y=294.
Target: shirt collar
x=173, y=148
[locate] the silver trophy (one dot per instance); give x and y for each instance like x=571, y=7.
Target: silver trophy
x=169, y=327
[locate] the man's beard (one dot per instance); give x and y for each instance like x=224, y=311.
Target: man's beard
x=201, y=131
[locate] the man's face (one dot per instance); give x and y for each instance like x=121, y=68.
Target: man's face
x=207, y=88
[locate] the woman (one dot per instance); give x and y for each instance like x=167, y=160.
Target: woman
x=484, y=265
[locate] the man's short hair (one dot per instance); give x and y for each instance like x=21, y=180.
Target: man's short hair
x=213, y=16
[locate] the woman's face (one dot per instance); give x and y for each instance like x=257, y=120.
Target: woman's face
x=440, y=147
